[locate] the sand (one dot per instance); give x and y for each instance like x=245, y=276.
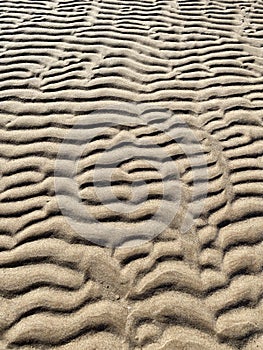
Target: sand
x=194, y=69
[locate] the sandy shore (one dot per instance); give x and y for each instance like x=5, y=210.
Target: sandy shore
x=193, y=69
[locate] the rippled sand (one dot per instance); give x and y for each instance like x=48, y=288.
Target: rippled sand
x=203, y=62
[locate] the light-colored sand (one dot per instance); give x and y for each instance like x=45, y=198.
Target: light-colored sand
x=202, y=60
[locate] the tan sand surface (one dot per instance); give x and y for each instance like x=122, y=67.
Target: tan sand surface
x=202, y=60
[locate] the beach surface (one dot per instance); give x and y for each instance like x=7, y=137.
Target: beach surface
x=168, y=95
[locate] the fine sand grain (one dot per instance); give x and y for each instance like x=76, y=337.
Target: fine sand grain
x=201, y=60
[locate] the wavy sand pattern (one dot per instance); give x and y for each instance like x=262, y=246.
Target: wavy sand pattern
x=202, y=60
